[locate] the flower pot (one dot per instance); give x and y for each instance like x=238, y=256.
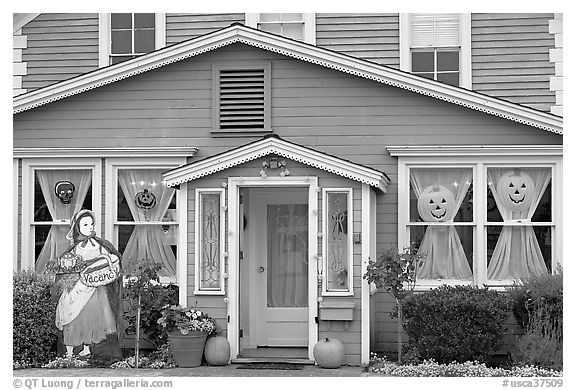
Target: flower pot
x=187, y=349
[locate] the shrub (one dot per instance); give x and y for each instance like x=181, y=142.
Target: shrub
x=34, y=333
x=537, y=305
x=544, y=292
x=461, y=323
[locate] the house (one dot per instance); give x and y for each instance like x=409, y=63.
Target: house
x=264, y=172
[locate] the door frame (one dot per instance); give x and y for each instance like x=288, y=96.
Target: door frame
x=233, y=228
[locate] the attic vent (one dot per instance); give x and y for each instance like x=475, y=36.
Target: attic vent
x=242, y=99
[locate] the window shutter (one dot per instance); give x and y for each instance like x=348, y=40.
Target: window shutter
x=434, y=30
x=242, y=99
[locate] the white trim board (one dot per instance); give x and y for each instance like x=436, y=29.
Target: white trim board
x=474, y=150
x=142, y=151
x=272, y=144
x=238, y=33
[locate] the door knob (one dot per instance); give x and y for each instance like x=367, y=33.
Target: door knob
x=261, y=269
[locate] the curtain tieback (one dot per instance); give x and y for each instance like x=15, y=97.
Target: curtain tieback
x=526, y=220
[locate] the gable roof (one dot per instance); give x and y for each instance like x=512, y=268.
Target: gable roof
x=273, y=144
x=238, y=33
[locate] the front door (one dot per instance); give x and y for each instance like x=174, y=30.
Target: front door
x=281, y=266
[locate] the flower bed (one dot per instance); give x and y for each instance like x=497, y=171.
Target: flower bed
x=430, y=368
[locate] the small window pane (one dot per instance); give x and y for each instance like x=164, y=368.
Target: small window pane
x=449, y=78
x=270, y=17
x=121, y=21
x=144, y=41
x=58, y=191
x=143, y=20
x=121, y=42
x=274, y=28
x=422, y=61
x=437, y=244
x=338, y=250
x=448, y=60
x=210, y=250
x=143, y=196
x=520, y=261
x=294, y=31
x=519, y=194
x=291, y=17
x=441, y=195
x=427, y=75
x=119, y=59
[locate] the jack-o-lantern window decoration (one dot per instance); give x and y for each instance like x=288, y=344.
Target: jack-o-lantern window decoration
x=436, y=204
x=516, y=189
x=145, y=199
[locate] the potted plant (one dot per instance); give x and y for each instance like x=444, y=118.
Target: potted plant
x=187, y=330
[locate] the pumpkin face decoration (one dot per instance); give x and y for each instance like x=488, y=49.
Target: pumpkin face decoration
x=436, y=204
x=516, y=189
x=64, y=190
x=145, y=200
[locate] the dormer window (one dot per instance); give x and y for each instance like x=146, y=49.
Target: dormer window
x=300, y=27
x=436, y=46
x=131, y=35
x=124, y=36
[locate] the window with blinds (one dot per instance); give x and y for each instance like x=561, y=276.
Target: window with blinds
x=241, y=99
x=435, y=46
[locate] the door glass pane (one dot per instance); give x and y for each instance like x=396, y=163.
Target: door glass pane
x=210, y=241
x=287, y=264
x=338, y=248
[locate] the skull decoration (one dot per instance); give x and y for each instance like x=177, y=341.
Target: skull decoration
x=436, y=204
x=516, y=188
x=64, y=190
x=145, y=199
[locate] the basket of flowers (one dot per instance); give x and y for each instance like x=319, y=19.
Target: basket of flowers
x=187, y=330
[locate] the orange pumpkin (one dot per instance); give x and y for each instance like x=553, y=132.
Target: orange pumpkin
x=329, y=353
x=217, y=351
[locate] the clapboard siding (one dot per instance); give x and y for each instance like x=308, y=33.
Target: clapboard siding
x=180, y=27
x=60, y=46
x=510, y=58
x=372, y=37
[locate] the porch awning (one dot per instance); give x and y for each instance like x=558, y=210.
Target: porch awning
x=273, y=144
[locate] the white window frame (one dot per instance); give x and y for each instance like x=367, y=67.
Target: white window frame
x=465, y=47
x=29, y=166
x=479, y=162
x=111, y=205
x=325, y=230
x=104, y=36
x=197, y=237
x=309, y=19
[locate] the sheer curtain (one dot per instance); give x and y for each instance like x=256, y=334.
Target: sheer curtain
x=56, y=242
x=287, y=255
x=445, y=257
x=517, y=253
x=148, y=241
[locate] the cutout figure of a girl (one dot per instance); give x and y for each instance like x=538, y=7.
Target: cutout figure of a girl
x=89, y=304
